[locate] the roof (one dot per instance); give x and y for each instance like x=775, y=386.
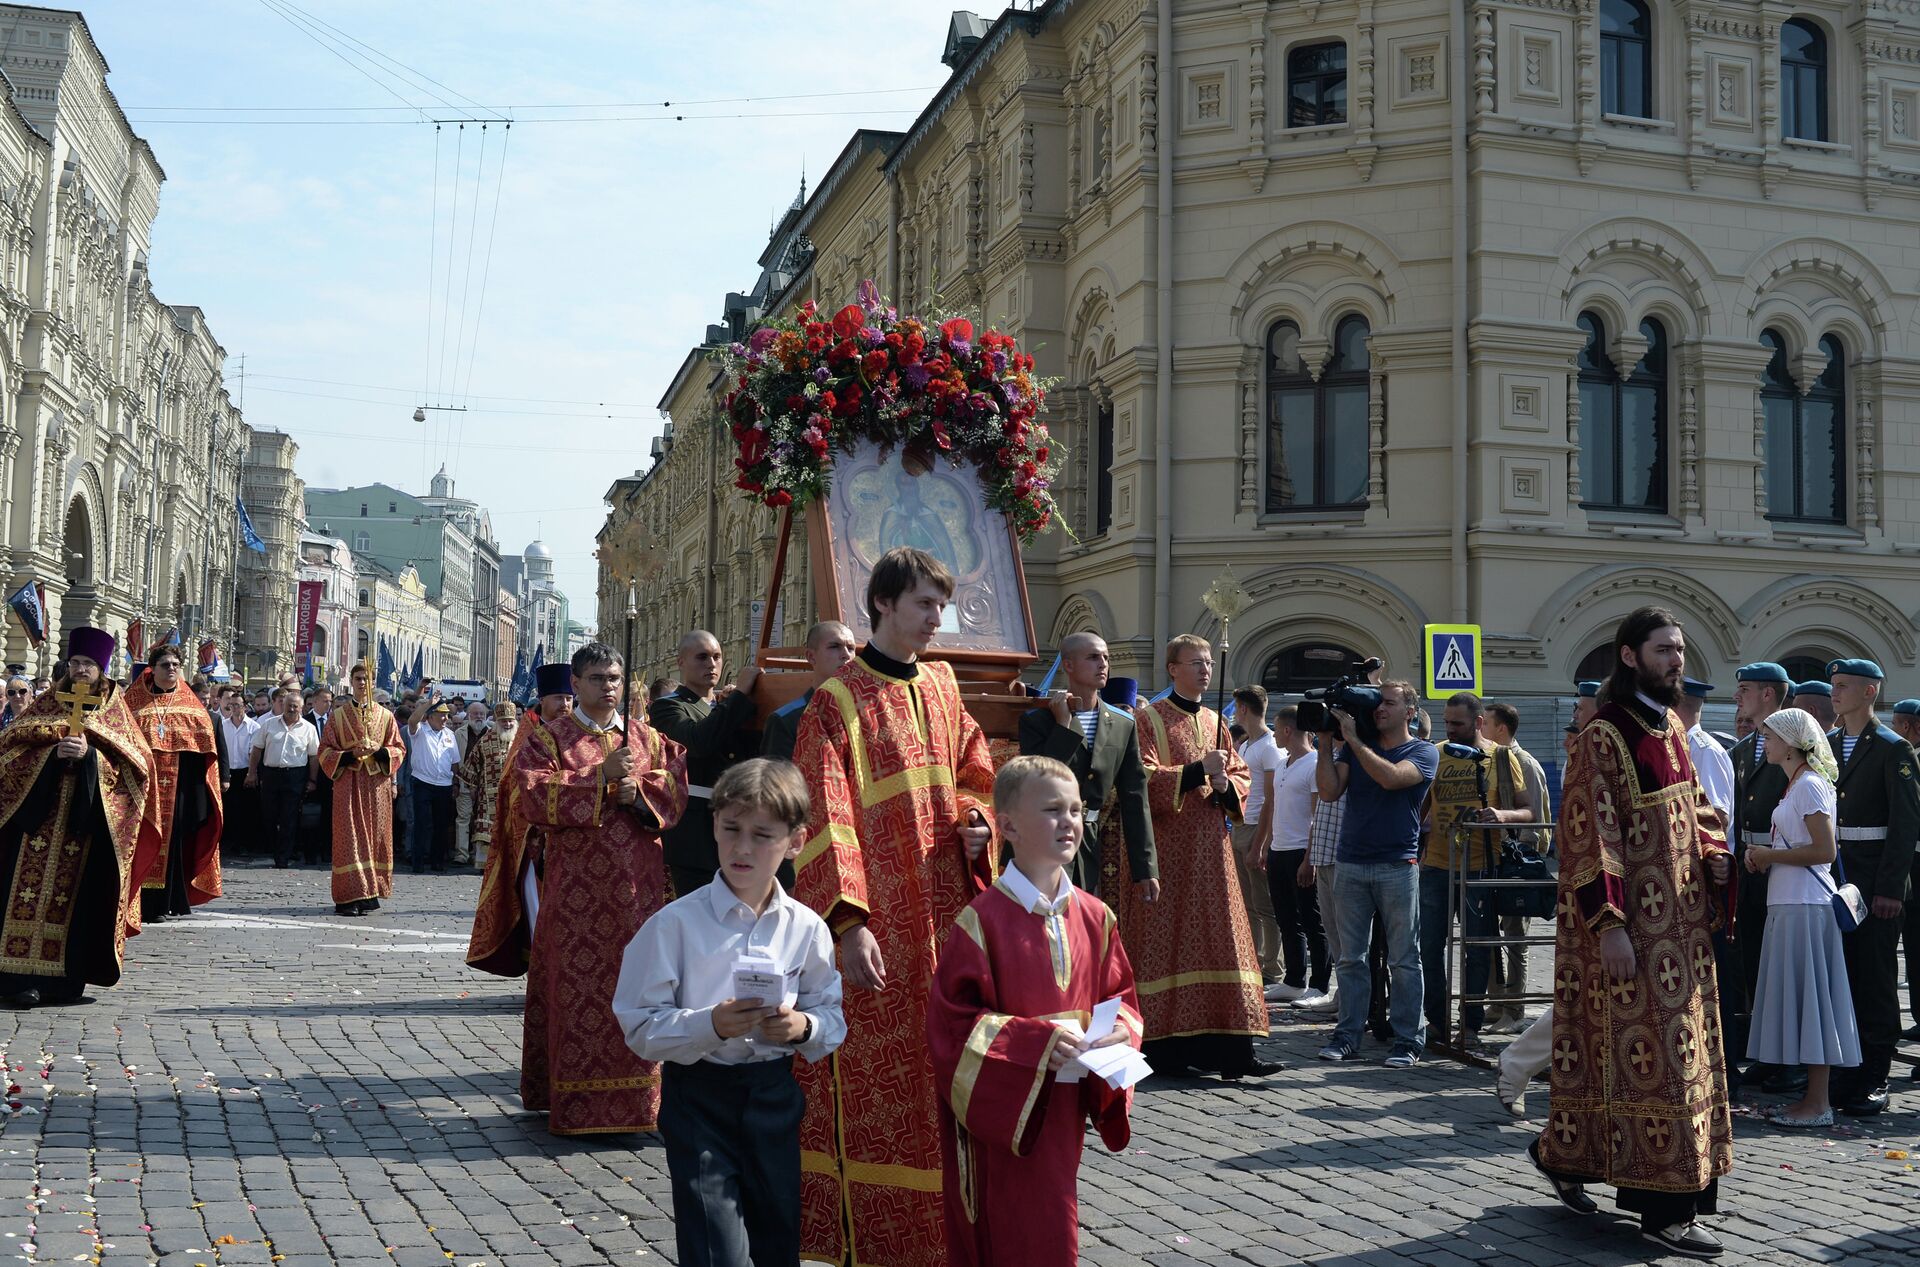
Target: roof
x=963, y=74
x=537, y=550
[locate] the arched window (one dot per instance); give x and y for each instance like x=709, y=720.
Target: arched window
x=1626, y=58
x=1317, y=84
x=1805, y=666
x=1317, y=431
x=1623, y=422
x=1803, y=81
x=1103, y=468
x=1306, y=666
x=1596, y=665
x=1806, y=455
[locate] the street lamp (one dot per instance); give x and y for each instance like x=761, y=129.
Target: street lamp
x=1225, y=598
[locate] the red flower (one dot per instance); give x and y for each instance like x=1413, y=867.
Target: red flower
x=753, y=446
x=847, y=322
x=873, y=364
x=940, y=436
x=779, y=497
x=958, y=328
x=1040, y=454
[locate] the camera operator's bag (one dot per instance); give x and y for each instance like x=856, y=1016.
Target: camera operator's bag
x=1518, y=863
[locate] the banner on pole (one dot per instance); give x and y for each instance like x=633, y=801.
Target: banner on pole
x=306, y=615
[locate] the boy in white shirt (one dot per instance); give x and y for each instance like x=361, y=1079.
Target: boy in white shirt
x=730, y=1108
x=1254, y=834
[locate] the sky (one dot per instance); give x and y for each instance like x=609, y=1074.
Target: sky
x=319, y=221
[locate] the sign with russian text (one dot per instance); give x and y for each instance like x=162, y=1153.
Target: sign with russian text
x=1453, y=660
x=306, y=615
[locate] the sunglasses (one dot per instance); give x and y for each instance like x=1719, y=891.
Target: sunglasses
x=19, y=692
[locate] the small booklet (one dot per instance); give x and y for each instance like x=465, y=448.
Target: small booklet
x=757, y=977
x=1120, y=1065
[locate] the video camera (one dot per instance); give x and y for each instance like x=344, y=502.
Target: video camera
x=1351, y=693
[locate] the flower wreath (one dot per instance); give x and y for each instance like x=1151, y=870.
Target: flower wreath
x=804, y=386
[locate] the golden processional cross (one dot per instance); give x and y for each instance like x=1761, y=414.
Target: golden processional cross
x=82, y=699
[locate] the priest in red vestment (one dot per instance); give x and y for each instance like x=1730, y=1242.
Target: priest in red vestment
x=599, y=793
x=504, y=918
x=1029, y=950
x=360, y=752
x=178, y=863
x=75, y=801
x=1639, y=1081
x=898, y=843
x=1200, y=986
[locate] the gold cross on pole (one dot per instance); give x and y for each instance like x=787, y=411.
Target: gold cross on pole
x=82, y=700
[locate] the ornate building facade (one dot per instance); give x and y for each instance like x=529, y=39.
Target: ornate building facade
x=120, y=452
x=326, y=561
x=1519, y=312
x=263, y=644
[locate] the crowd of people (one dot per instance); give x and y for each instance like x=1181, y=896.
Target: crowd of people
x=969, y=926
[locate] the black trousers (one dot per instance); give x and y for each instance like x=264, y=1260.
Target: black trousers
x=281, y=791
x=732, y=1135
x=431, y=840
x=1872, y=953
x=1303, y=940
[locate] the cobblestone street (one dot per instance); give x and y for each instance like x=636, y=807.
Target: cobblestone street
x=270, y=1083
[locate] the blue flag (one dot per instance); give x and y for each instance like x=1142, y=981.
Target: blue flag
x=419, y=667
x=517, y=689
x=1046, y=683
x=248, y=536
x=33, y=615
x=1162, y=695
x=383, y=675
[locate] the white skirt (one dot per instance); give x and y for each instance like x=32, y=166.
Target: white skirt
x=1803, y=1008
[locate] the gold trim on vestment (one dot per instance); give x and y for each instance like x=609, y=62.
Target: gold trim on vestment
x=1212, y=976
x=1040, y=1076
x=968, y=922
x=973, y=1057
x=876, y=1174
x=826, y=838
x=608, y=1084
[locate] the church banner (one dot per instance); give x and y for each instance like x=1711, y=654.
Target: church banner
x=306, y=615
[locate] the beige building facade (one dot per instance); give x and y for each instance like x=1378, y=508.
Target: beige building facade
x=1513, y=312
x=268, y=586
x=120, y=452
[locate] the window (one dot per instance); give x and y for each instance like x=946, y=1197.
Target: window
x=362, y=542
x=1317, y=431
x=1803, y=81
x=360, y=641
x=1805, y=666
x=363, y=510
x=1307, y=666
x=1623, y=422
x=1596, y=665
x=1626, y=59
x=1103, y=475
x=1316, y=84
x=1806, y=461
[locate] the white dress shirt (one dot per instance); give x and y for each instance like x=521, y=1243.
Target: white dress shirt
x=239, y=740
x=1028, y=894
x=286, y=745
x=679, y=966
x=434, y=754
x=1714, y=768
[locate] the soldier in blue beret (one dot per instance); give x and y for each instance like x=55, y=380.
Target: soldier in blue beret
x=1815, y=698
x=1906, y=724
x=1760, y=690
x=1877, y=813
x=1588, y=704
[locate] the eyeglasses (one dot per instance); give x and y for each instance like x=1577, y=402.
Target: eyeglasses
x=21, y=691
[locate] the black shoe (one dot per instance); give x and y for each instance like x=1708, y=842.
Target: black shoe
x=1867, y=1102
x=1572, y=1195
x=1757, y=1073
x=23, y=1000
x=1687, y=1238
x=419, y=870
x=1254, y=1069
x=281, y=864
x=158, y=917
x=347, y=908
x=1787, y=1082
x=369, y=905
x=1913, y=1075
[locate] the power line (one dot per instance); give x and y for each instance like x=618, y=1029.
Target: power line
x=486, y=273
x=391, y=61
x=625, y=118
x=270, y=7
x=433, y=244
x=583, y=105
x=508, y=413
x=409, y=392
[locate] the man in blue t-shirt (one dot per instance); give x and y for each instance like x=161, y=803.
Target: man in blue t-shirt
x=1378, y=868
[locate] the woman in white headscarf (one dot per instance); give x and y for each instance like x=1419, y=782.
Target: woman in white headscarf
x=1802, y=1008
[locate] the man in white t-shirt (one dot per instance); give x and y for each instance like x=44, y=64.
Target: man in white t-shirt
x=1296, y=908
x=1710, y=761
x=282, y=763
x=1250, y=838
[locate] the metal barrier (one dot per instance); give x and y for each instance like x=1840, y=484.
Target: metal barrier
x=1462, y=880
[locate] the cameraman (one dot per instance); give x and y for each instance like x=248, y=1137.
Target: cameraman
x=1384, y=778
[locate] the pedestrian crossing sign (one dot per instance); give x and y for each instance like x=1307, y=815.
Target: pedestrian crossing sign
x=1453, y=660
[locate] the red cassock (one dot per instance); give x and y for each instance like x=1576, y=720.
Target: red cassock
x=893, y=766
x=360, y=750
x=1010, y=1134
x=602, y=875
x=502, y=939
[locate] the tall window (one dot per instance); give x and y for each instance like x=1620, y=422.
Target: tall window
x=1803, y=81
x=1317, y=431
x=1626, y=58
x=1317, y=84
x=1103, y=474
x=1623, y=422
x=1806, y=457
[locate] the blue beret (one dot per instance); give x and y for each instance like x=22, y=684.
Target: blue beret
x=1121, y=692
x=1813, y=688
x=1908, y=707
x=1588, y=690
x=1762, y=671
x=1857, y=668
x=554, y=679
x=1696, y=688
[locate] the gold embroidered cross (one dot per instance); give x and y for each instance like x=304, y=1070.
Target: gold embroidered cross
x=82, y=700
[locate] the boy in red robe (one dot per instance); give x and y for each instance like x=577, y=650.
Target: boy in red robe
x=1031, y=949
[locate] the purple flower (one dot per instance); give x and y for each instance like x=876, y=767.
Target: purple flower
x=871, y=337
x=960, y=349
x=915, y=377
x=737, y=349
x=820, y=375
x=762, y=339
x=869, y=293
x=999, y=361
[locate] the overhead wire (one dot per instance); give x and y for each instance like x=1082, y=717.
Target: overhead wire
x=505, y=413
x=408, y=391
x=433, y=252
x=273, y=8
x=624, y=118
x=401, y=66
x=486, y=273
x=571, y=105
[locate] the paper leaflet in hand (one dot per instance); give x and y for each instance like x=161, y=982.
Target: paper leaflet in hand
x=1120, y=1065
x=757, y=977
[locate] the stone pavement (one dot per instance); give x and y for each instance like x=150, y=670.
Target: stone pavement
x=270, y=1083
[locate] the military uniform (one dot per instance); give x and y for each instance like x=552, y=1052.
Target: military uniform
x=1112, y=781
x=716, y=737
x=1877, y=805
